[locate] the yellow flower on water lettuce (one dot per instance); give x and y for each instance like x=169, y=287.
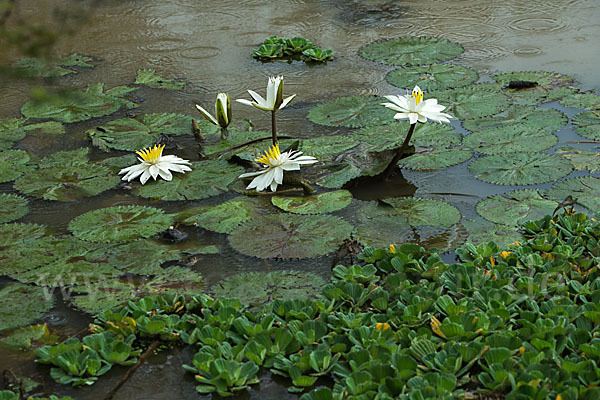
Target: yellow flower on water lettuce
x=274, y=100
x=414, y=108
x=154, y=164
x=222, y=116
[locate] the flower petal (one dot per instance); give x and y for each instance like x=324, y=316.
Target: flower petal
x=206, y=115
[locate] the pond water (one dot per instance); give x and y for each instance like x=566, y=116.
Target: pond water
x=208, y=43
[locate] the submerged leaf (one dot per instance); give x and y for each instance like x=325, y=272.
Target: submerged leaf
x=412, y=51
x=481, y=230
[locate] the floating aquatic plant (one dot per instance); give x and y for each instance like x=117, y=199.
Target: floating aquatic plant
x=317, y=204
x=587, y=124
x=12, y=207
x=585, y=189
x=221, y=218
x=149, y=77
x=13, y=163
x=516, y=207
x=154, y=164
x=297, y=48
x=22, y=304
x=432, y=77
x=510, y=139
x=588, y=101
x=351, y=112
x=412, y=51
x=52, y=68
x=581, y=159
x=540, y=86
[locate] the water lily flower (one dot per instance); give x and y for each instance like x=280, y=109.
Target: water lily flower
x=222, y=116
x=414, y=108
x=275, y=163
x=274, y=100
x=154, y=164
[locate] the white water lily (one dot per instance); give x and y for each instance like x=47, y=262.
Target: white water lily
x=275, y=163
x=154, y=164
x=222, y=116
x=274, y=100
x=414, y=108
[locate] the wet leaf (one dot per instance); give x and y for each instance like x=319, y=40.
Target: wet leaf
x=12, y=207
x=585, y=189
x=550, y=86
x=52, y=67
x=413, y=211
x=483, y=231
x=325, y=147
x=436, y=157
x=22, y=304
x=290, y=236
x=14, y=129
x=516, y=207
x=526, y=117
x=588, y=101
x=509, y=139
x=352, y=112
x=392, y=135
x=13, y=163
x=470, y=102
x=581, y=159
x=587, y=124
x=62, y=273
x=412, y=51
x=28, y=336
x=149, y=77
x=432, y=77
x=520, y=168
x=337, y=174
x=317, y=204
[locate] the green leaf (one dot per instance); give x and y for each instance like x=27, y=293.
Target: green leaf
x=121, y=223
x=581, y=159
x=149, y=77
x=587, y=124
x=470, y=102
x=28, y=336
x=413, y=211
x=337, y=174
x=550, y=86
x=435, y=158
x=510, y=139
x=392, y=135
x=12, y=207
x=207, y=178
x=516, y=207
x=520, y=168
x=588, y=101
x=317, y=204
x=22, y=304
x=412, y=51
x=526, y=117
x=585, y=189
x=483, y=231
x=327, y=147
x=13, y=163
x=432, y=77
x=352, y=112
x=290, y=236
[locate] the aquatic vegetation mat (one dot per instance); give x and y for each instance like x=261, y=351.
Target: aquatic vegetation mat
x=412, y=51
x=14, y=129
x=275, y=48
x=12, y=207
x=351, y=112
x=432, y=77
x=482, y=231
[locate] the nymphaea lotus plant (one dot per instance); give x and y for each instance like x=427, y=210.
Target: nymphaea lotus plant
x=275, y=163
x=273, y=102
x=222, y=116
x=154, y=164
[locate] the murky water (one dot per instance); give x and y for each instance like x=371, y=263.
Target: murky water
x=209, y=42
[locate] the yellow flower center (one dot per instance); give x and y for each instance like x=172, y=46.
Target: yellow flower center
x=271, y=154
x=382, y=326
x=152, y=154
x=418, y=95
x=392, y=249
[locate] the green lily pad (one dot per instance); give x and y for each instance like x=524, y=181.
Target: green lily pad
x=22, y=304
x=78, y=156
x=13, y=163
x=68, y=182
x=149, y=77
x=483, y=231
x=335, y=175
x=290, y=236
x=14, y=129
x=470, y=102
x=516, y=207
x=141, y=256
x=12, y=207
x=586, y=189
x=436, y=157
x=352, y=112
x=392, y=135
x=121, y=223
x=550, y=86
x=587, y=124
x=326, y=147
x=65, y=273
x=131, y=135
x=115, y=164
x=581, y=159
x=509, y=139
x=30, y=336
x=588, y=101
x=318, y=204
x=413, y=211
x=207, y=178
x=524, y=116
x=520, y=168
x=412, y=51
x=432, y=77
x=52, y=68
x=257, y=289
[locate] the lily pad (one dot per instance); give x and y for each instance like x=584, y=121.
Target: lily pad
x=509, y=139
x=432, y=77
x=325, y=147
x=587, y=124
x=318, y=204
x=12, y=207
x=131, y=134
x=141, y=256
x=22, y=304
x=290, y=236
x=413, y=211
x=207, y=178
x=336, y=175
x=115, y=164
x=257, y=289
x=520, y=168
x=352, y=112
x=30, y=336
x=62, y=273
x=585, y=189
x=121, y=223
x=14, y=129
x=412, y=51
x=435, y=157
x=581, y=159
x=483, y=231
x=516, y=207
x=525, y=117
x=149, y=77
x=550, y=86
x=470, y=102
x=588, y=101
x=13, y=163
x=78, y=156
x=52, y=68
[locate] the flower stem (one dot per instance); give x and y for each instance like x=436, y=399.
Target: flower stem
x=273, y=127
x=224, y=133
x=399, y=153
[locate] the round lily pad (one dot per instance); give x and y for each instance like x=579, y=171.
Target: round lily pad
x=290, y=236
x=334, y=176
x=436, y=157
x=207, y=178
x=13, y=163
x=221, y=218
x=323, y=147
x=482, y=231
x=12, y=207
x=67, y=182
x=509, y=139
x=352, y=112
x=22, y=304
x=72, y=272
x=581, y=159
x=587, y=124
x=412, y=51
x=516, y=207
x=413, y=211
x=141, y=256
x=588, y=101
x=257, y=289
x=121, y=223
x=470, y=102
x=550, y=85
x=131, y=134
x=585, y=189
x=77, y=156
x=432, y=77
x=392, y=135
x=11, y=131
x=318, y=204
x=524, y=116
x=520, y=168
x=149, y=77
